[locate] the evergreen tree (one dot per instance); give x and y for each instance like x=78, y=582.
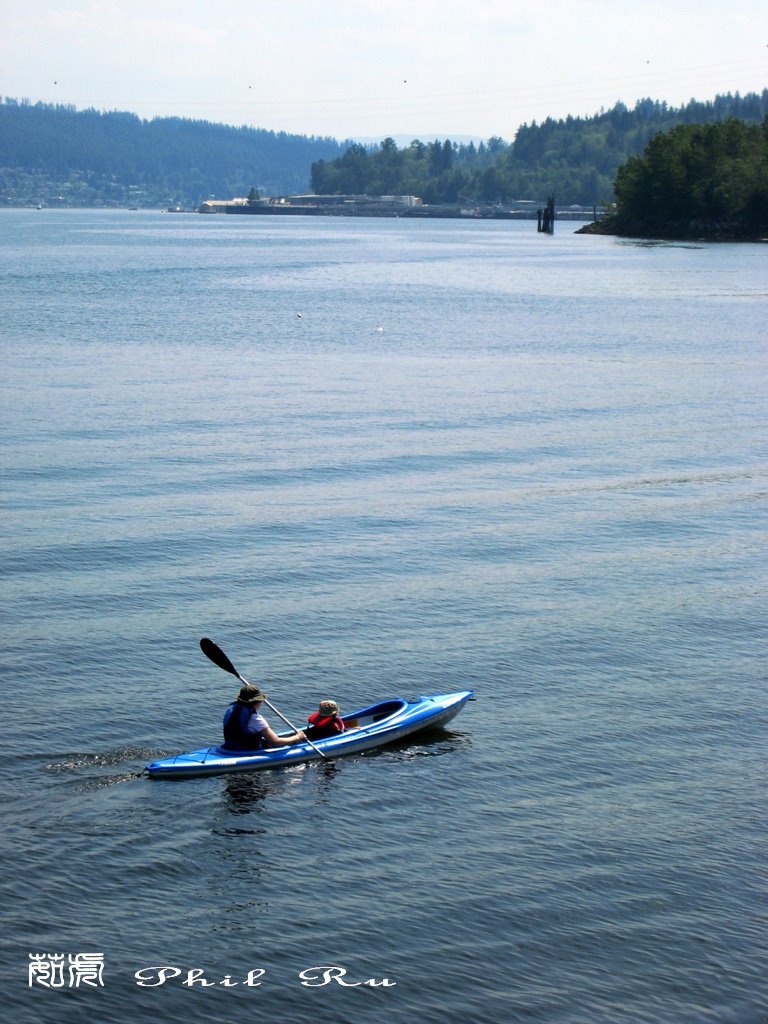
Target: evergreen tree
x=575, y=158
x=697, y=179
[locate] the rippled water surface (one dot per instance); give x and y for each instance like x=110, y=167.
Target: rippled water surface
x=480, y=458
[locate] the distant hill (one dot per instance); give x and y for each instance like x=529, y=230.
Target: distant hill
x=574, y=158
x=54, y=153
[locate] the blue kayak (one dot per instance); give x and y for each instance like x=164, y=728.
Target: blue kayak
x=370, y=727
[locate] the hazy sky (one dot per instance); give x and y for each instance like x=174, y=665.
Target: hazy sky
x=358, y=68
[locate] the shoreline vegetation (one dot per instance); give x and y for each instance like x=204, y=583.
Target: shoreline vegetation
x=693, y=173
x=55, y=155
x=674, y=231
x=574, y=159
x=695, y=182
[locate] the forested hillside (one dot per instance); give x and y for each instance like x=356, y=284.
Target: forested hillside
x=56, y=154
x=88, y=158
x=696, y=181
x=575, y=158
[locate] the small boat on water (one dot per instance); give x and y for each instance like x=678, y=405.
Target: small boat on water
x=366, y=729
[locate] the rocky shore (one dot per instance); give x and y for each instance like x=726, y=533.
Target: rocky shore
x=680, y=231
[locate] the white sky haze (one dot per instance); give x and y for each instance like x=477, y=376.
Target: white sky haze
x=371, y=68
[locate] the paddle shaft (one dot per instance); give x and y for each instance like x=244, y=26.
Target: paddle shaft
x=218, y=657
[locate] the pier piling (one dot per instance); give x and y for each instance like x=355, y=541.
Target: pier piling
x=546, y=217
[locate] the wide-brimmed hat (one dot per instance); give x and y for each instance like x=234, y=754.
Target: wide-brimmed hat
x=251, y=694
x=328, y=708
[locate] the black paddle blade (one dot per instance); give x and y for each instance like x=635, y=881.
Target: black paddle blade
x=217, y=656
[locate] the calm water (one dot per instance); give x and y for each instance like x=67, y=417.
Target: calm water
x=543, y=478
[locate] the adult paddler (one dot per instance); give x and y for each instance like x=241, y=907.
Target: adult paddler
x=245, y=728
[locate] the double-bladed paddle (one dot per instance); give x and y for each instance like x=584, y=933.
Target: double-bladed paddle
x=218, y=657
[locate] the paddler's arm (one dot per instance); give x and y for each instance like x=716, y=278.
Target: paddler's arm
x=271, y=739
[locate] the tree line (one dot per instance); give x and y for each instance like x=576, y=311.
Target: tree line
x=89, y=157
x=698, y=180
x=574, y=158
x=165, y=159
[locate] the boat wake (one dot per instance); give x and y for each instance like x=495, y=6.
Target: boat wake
x=97, y=770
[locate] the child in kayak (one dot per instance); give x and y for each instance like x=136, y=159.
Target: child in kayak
x=325, y=722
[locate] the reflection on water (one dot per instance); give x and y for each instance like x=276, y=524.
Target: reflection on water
x=328, y=769
x=243, y=793
x=430, y=743
x=246, y=792
x=659, y=243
